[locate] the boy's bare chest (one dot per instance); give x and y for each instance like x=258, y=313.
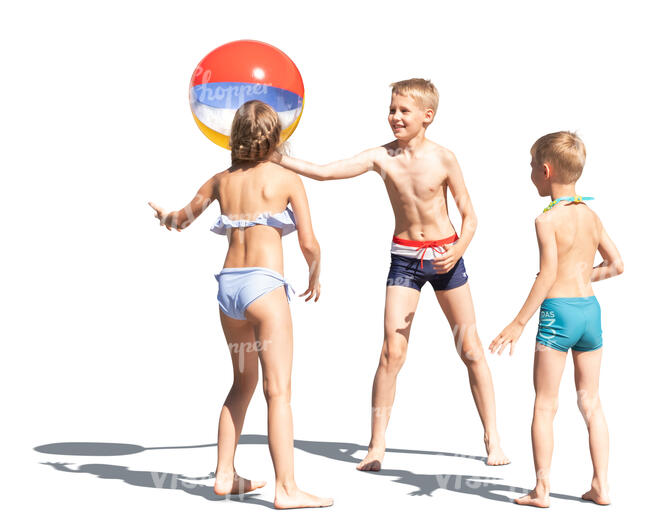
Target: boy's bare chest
x=420, y=180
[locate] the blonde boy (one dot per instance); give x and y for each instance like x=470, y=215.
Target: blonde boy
x=569, y=233
x=417, y=173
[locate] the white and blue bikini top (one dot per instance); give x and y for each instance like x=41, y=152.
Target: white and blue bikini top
x=284, y=220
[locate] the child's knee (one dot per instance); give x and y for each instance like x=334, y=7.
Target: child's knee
x=588, y=403
x=277, y=390
x=245, y=384
x=471, y=350
x=545, y=405
x=393, y=354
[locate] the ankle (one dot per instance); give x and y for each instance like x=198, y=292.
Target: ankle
x=224, y=475
x=599, y=483
x=287, y=487
x=543, y=487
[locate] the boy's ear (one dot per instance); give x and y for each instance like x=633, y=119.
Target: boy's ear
x=547, y=171
x=429, y=115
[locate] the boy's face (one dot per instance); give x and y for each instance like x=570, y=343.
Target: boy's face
x=406, y=118
x=540, y=176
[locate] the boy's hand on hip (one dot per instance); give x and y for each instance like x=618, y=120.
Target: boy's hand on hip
x=509, y=335
x=446, y=262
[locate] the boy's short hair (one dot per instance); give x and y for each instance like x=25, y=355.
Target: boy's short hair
x=421, y=90
x=566, y=153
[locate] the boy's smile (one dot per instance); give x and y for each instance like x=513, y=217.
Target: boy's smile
x=406, y=118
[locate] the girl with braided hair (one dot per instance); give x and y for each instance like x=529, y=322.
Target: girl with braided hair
x=254, y=194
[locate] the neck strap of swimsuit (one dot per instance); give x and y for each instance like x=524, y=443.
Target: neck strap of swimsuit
x=574, y=199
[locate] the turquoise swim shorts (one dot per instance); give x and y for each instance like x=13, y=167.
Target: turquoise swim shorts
x=570, y=323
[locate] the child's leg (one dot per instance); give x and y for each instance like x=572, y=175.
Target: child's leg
x=401, y=302
x=458, y=307
x=241, y=343
x=547, y=373
x=587, y=372
x=271, y=320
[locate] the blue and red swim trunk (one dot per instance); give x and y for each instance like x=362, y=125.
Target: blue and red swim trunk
x=411, y=265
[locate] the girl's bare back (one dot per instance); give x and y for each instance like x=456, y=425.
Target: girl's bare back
x=244, y=192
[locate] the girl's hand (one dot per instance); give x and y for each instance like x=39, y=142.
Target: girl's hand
x=509, y=335
x=168, y=219
x=446, y=262
x=313, y=289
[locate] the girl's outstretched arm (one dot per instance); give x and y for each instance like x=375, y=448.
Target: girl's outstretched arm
x=352, y=167
x=183, y=218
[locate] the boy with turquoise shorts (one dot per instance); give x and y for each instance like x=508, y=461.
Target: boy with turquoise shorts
x=569, y=233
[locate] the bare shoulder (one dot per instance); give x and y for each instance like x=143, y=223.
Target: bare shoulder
x=596, y=219
x=443, y=154
x=593, y=214
x=378, y=153
x=218, y=176
x=211, y=186
x=288, y=180
x=280, y=172
x=546, y=221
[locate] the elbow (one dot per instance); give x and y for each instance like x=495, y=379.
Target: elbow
x=550, y=281
x=548, y=278
x=619, y=267
x=473, y=222
x=320, y=173
x=309, y=245
x=470, y=222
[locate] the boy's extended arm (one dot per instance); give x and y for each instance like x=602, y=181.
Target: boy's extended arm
x=352, y=167
x=612, y=263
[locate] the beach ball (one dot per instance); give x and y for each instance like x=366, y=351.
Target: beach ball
x=238, y=72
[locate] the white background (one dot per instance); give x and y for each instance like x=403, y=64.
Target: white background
x=110, y=323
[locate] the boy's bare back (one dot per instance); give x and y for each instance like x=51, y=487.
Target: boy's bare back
x=577, y=232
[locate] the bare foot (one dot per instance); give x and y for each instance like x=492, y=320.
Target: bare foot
x=299, y=499
x=599, y=496
x=533, y=499
x=496, y=456
x=229, y=484
x=372, y=461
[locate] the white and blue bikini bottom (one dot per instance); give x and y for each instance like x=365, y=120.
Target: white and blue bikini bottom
x=239, y=287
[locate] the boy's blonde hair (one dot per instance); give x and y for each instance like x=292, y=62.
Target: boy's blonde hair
x=421, y=90
x=565, y=152
x=255, y=132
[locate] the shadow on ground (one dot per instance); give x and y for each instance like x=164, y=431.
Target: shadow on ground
x=486, y=487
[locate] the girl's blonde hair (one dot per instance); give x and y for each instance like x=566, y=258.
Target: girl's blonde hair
x=565, y=151
x=255, y=132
